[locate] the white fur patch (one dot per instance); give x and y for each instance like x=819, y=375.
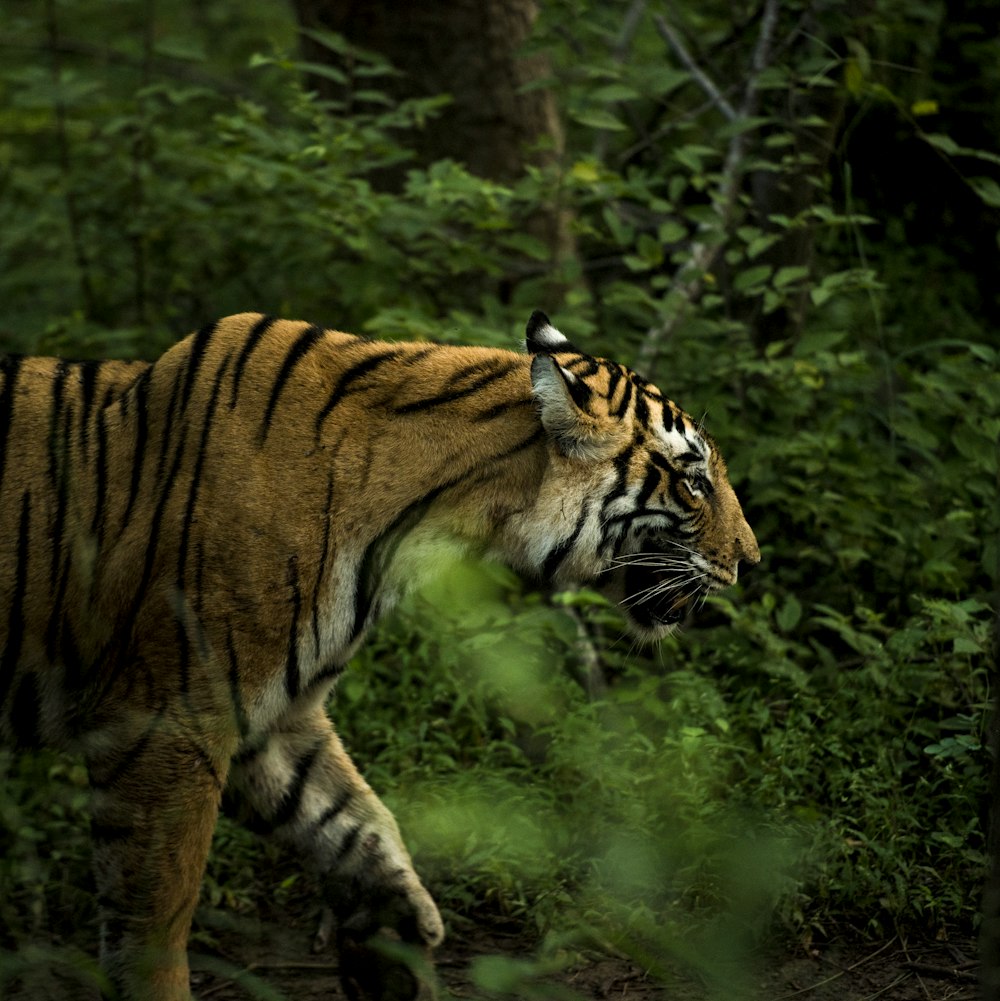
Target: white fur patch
x=548, y=337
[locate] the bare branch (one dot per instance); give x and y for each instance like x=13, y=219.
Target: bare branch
x=700, y=76
x=689, y=279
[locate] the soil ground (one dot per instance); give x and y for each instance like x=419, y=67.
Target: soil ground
x=281, y=957
x=273, y=960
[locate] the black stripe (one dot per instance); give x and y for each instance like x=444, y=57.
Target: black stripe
x=235, y=690
x=198, y=345
x=561, y=550
x=649, y=484
x=57, y=456
x=101, y=469
x=614, y=377
x=357, y=371
x=10, y=367
x=253, y=338
x=380, y=551
x=662, y=462
x=674, y=522
x=583, y=366
x=15, y=618
x=24, y=711
x=59, y=548
x=580, y=392
x=107, y=834
x=626, y=399
x=347, y=843
x=335, y=809
x=325, y=676
x=154, y=527
x=292, y=672
x=191, y=631
x=123, y=638
x=167, y=425
x=621, y=463
x=472, y=368
x=141, y=436
x=641, y=408
x=196, y=474
x=290, y=802
x=505, y=406
x=303, y=343
x=246, y=754
x=456, y=394
x=88, y=389
x=325, y=545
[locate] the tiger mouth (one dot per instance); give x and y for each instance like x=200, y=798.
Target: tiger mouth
x=657, y=597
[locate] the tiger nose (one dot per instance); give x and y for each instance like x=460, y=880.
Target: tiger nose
x=747, y=550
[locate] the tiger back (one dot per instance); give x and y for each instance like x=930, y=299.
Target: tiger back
x=193, y=549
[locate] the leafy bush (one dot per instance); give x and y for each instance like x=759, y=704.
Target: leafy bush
x=811, y=749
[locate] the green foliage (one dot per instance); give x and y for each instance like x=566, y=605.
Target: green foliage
x=811, y=750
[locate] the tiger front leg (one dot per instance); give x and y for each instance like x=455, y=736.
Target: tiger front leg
x=301, y=787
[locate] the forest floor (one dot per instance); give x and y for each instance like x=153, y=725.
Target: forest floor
x=281, y=957
x=272, y=960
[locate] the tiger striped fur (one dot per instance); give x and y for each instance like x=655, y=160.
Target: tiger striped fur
x=193, y=549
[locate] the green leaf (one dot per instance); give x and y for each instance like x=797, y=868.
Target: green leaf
x=613, y=92
x=987, y=189
x=752, y=277
x=944, y=143
x=600, y=118
x=672, y=232
x=787, y=275
x=789, y=615
x=180, y=48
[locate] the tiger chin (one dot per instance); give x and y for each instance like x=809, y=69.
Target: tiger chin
x=193, y=549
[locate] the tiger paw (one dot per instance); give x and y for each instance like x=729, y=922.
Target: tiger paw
x=407, y=910
x=383, y=968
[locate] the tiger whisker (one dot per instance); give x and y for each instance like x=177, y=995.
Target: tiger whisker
x=664, y=587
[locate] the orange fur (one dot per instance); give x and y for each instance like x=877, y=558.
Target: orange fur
x=194, y=548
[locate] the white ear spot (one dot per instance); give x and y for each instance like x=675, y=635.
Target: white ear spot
x=542, y=338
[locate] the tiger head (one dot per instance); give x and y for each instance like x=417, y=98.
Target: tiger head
x=656, y=524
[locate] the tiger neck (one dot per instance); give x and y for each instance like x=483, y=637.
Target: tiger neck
x=464, y=488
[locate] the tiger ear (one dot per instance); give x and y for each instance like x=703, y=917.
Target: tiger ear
x=540, y=337
x=562, y=402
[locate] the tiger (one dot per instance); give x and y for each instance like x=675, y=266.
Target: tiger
x=194, y=548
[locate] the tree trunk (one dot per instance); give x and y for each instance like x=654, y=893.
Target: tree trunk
x=470, y=50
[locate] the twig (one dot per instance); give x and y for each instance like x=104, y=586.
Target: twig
x=277, y=964
x=690, y=277
x=595, y=681
x=700, y=76
x=941, y=971
x=839, y=974
x=888, y=987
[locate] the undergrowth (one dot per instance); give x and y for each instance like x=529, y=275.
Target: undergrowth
x=808, y=755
